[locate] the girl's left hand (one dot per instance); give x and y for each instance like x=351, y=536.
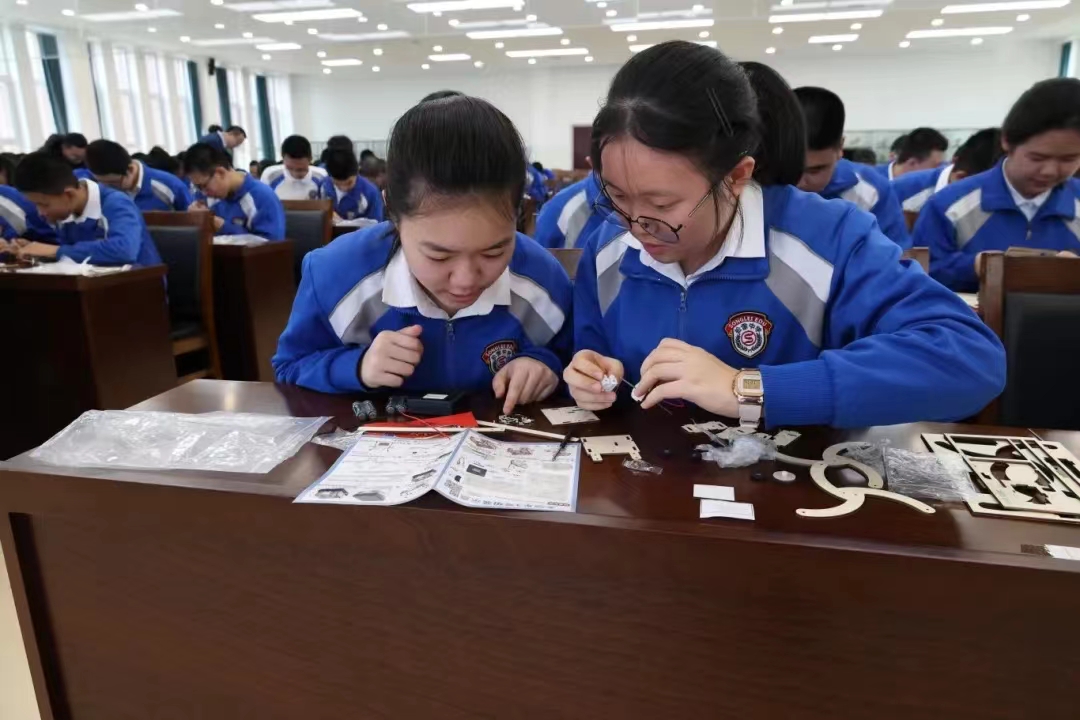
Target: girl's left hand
x=522, y=381
x=676, y=369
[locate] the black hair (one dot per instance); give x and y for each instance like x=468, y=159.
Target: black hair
x=53, y=144
x=449, y=148
x=898, y=144
x=236, y=129
x=440, y=95
x=691, y=99
x=263, y=164
x=140, y=156
x=42, y=172
x=370, y=166
x=296, y=147
x=862, y=155
x=783, y=127
x=920, y=143
x=8, y=162
x=205, y=159
x=1047, y=105
x=339, y=142
x=364, y=154
x=538, y=166
x=74, y=140
x=825, y=117
x=159, y=159
x=980, y=152
x=213, y=129
x=105, y=157
x=341, y=164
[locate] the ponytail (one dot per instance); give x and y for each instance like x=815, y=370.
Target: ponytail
x=781, y=156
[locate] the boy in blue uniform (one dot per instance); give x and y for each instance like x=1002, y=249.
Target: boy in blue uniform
x=922, y=149
x=354, y=197
x=242, y=204
x=224, y=140
x=150, y=189
x=447, y=296
x=979, y=153
x=93, y=221
x=729, y=288
x=831, y=176
x=1030, y=199
x=885, y=169
x=570, y=218
x=295, y=178
x=19, y=219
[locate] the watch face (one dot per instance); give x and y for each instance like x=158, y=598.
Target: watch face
x=750, y=385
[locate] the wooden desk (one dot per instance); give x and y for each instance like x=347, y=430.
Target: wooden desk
x=254, y=289
x=212, y=595
x=72, y=344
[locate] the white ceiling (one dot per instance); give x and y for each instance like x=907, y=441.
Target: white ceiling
x=741, y=27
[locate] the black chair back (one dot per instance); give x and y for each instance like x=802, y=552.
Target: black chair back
x=180, y=250
x=1041, y=338
x=307, y=231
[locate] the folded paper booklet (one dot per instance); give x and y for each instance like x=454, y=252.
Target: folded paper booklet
x=246, y=240
x=468, y=468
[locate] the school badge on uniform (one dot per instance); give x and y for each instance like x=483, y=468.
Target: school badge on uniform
x=749, y=332
x=497, y=354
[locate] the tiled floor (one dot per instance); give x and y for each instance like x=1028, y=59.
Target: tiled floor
x=16, y=693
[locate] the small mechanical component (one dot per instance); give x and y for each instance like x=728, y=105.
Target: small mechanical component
x=608, y=383
x=365, y=410
x=784, y=476
x=602, y=445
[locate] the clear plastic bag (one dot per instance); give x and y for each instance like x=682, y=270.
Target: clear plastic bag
x=928, y=476
x=218, y=441
x=743, y=451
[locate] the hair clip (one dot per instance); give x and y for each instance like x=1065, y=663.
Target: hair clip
x=721, y=116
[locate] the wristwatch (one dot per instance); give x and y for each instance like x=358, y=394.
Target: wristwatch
x=751, y=397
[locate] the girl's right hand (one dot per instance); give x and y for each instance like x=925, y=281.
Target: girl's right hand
x=583, y=376
x=391, y=358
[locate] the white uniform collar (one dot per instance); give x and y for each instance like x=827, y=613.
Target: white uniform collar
x=92, y=211
x=1029, y=206
x=745, y=239
x=137, y=187
x=401, y=290
x=891, y=166
x=943, y=178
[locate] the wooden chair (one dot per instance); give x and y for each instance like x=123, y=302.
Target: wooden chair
x=185, y=241
x=568, y=258
x=527, y=219
x=310, y=225
x=1032, y=302
x=920, y=255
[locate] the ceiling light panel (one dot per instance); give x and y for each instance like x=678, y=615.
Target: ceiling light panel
x=308, y=15
x=551, y=52
x=364, y=37
x=128, y=16
x=461, y=5
x=661, y=25
x=271, y=5
x=957, y=32
x=827, y=16
x=525, y=32
x=223, y=42
x=830, y=39
x=275, y=47
x=1004, y=6
x=343, y=62
x=450, y=57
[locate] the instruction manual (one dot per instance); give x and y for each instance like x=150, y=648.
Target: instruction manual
x=469, y=468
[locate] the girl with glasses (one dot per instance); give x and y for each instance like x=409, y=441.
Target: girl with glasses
x=719, y=283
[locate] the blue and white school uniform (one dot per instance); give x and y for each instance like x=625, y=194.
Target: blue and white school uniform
x=215, y=139
x=984, y=212
x=110, y=231
x=886, y=170
x=363, y=201
x=19, y=218
x=813, y=295
x=535, y=186
x=159, y=190
x=570, y=218
x=286, y=187
x=351, y=291
x=252, y=210
x=869, y=191
x=915, y=188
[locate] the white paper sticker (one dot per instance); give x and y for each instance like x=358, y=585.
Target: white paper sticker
x=435, y=396
x=1064, y=552
x=569, y=415
x=725, y=509
x=714, y=492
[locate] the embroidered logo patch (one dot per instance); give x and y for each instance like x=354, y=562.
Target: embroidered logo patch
x=238, y=220
x=497, y=354
x=313, y=195
x=749, y=332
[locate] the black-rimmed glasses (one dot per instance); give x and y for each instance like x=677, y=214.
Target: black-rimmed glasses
x=657, y=228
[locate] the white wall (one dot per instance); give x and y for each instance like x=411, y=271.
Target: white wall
x=969, y=89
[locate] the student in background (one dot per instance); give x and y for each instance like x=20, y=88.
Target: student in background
x=894, y=151
x=242, y=204
x=447, y=296
x=339, y=142
x=829, y=175
x=255, y=169
x=922, y=149
x=73, y=148
x=353, y=196
x=979, y=153
x=571, y=217
x=225, y=140
x=729, y=288
x=295, y=178
x=19, y=218
x=93, y=222
x=1029, y=199
x=150, y=189
x=535, y=187
x=861, y=155
x=373, y=170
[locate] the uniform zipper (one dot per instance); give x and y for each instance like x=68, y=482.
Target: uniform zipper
x=450, y=353
x=682, y=311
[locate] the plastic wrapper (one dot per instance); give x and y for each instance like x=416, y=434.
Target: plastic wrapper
x=740, y=452
x=924, y=475
x=341, y=439
x=871, y=454
x=220, y=441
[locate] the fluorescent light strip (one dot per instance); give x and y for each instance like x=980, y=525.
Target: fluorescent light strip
x=639, y=48
x=221, y=42
x=275, y=47
x=308, y=15
x=661, y=25
x=482, y=24
x=343, y=62
x=270, y=5
x=830, y=39
x=135, y=15
x=460, y=5
x=556, y=52
x=1004, y=6
x=666, y=15
x=957, y=32
x=791, y=7
x=364, y=37
x=449, y=57
x=528, y=32
x=824, y=16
